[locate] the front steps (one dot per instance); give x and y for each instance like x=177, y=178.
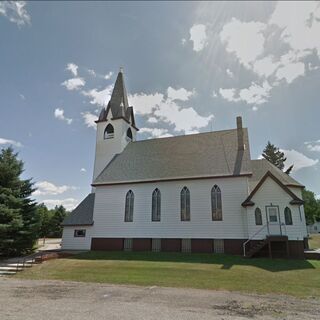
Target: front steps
x=11, y=268
x=254, y=249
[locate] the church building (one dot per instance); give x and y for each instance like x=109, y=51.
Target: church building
x=192, y=193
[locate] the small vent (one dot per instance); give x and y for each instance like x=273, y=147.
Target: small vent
x=127, y=246
x=218, y=246
x=156, y=245
x=186, y=245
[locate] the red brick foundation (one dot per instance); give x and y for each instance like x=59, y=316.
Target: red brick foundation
x=107, y=244
x=202, y=245
x=141, y=245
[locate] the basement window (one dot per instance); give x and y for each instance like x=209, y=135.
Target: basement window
x=80, y=233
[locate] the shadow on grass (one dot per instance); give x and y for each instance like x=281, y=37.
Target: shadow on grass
x=226, y=261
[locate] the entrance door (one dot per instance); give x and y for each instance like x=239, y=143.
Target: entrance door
x=273, y=219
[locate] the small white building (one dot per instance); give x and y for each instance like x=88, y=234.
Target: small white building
x=192, y=193
x=314, y=228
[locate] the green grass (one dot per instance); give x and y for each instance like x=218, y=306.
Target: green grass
x=314, y=241
x=299, y=278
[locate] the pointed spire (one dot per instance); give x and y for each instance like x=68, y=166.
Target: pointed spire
x=119, y=97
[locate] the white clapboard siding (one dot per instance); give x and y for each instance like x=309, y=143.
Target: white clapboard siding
x=69, y=242
x=110, y=205
x=271, y=193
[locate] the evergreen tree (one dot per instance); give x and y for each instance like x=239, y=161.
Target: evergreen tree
x=274, y=155
x=19, y=222
x=288, y=171
x=45, y=216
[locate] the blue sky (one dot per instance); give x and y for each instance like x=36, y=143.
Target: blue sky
x=189, y=67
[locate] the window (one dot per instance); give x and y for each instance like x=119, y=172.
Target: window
x=127, y=244
x=79, y=233
x=128, y=215
x=218, y=246
x=156, y=205
x=185, y=204
x=288, y=216
x=109, y=132
x=273, y=214
x=258, y=216
x=156, y=245
x=129, y=134
x=216, y=203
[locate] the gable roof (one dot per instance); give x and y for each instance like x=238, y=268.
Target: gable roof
x=262, y=166
x=269, y=174
x=203, y=155
x=118, y=104
x=82, y=215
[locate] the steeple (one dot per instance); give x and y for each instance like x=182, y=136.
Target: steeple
x=118, y=104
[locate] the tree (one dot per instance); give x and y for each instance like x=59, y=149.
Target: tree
x=58, y=215
x=45, y=221
x=288, y=171
x=311, y=206
x=19, y=222
x=274, y=155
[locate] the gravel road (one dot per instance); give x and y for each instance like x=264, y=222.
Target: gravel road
x=51, y=300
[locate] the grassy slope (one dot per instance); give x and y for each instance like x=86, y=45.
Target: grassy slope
x=298, y=278
x=314, y=241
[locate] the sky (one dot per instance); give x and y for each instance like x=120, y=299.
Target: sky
x=189, y=67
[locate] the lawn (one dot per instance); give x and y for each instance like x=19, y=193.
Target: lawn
x=299, y=278
x=314, y=241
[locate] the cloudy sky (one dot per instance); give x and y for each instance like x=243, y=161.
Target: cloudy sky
x=189, y=67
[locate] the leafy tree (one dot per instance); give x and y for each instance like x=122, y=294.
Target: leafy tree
x=274, y=155
x=58, y=215
x=45, y=221
x=311, y=206
x=19, y=222
x=288, y=171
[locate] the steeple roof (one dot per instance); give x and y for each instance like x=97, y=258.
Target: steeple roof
x=118, y=104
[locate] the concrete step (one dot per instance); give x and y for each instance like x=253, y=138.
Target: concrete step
x=11, y=268
x=7, y=273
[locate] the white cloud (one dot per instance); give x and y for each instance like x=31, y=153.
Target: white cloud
x=83, y=170
x=92, y=72
x=298, y=159
x=183, y=119
x=244, y=39
x=11, y=142
x=300, y=25
x=59, y=114
x=48, y=188
x=266, y=66
x=180, y=94
x=74, y=83
x=68, y=203
x=313, y=145
x=156, y=132
x=15, y=11
x=152, y=120
x=99, y=97
x=199, y=36
x=214, y=94
x=145, y=103
x=89, y=119
x=253, y=95
x=22, y=97
x=183, y=41
x=290, y=71
x=108, y=75
x=229, y=73
x=73, y=68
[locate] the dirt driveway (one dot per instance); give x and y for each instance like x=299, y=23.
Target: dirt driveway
x=51, y=300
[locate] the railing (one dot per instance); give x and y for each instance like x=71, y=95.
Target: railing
x=255, y=234
x=32, y=257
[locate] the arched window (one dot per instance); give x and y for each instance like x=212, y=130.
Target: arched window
x=258, y=216
x=287, y=216
x=129, y=134
x=216, y=203
x=185, y=204
x=128, y=214
x=109, y=132
x=156, y=205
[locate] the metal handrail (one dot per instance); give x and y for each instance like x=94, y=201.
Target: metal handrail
x=256, y=233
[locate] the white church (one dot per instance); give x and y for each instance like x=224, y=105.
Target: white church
x=192, y=193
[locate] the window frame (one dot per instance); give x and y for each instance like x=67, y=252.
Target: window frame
x=288, y=219
x=185, y=204
x=258, y=214
x=130, y=137
x=106, y=134
x=216, y=203
x=76, y=233
x=129, y=206
x=156, y=205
